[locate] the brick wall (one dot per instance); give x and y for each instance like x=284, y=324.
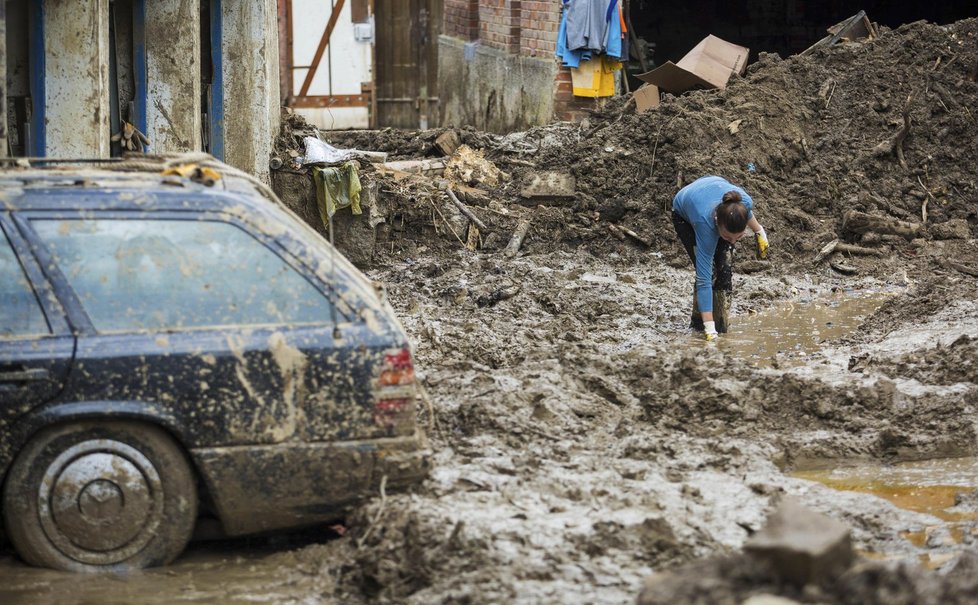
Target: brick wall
x=539, y=21
x=526, y=28
x=499, y=24
x=462, y=19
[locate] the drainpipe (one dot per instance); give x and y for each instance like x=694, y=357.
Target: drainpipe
x=4, y=148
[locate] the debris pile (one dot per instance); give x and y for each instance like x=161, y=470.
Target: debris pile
x=584, y=440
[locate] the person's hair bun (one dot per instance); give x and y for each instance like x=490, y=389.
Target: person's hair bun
x=731, y=197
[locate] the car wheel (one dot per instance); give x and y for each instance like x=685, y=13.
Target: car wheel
x=100, y=496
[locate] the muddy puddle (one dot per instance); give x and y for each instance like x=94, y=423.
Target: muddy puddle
x=786, y=334
x=946, y=489
x=235, y=571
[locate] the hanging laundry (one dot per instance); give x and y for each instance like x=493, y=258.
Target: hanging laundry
x=337, y=187
x=587, y=24
x=569, y=58
x=613, y=45
x=595, y=78
x=590, y=42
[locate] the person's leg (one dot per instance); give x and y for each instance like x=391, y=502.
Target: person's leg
x=722, y=285
x=687, y=237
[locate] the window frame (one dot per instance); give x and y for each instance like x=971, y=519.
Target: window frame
x=80, y=319
x=44, y=294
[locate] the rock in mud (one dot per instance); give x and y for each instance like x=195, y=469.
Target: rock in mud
x=956, y=228
x=801, y=545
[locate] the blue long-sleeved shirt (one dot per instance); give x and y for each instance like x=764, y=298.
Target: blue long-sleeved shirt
x=696, y=203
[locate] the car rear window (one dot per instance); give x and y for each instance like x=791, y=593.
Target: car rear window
x=150, y=274
x=20, y=312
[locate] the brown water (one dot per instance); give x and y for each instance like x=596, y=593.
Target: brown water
x=238, y=571
x=786, y=334
x=929, y=486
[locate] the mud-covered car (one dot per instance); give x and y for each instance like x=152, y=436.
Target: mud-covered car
x=174, y=347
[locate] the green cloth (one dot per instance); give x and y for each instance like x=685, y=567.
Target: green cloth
x=337, y=187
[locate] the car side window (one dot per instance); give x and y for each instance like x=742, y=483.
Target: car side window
x=20, y=311
x=148, y=274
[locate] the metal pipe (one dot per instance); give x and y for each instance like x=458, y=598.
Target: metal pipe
x=4, y=143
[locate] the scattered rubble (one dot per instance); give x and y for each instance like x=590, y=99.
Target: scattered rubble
x=585, y=440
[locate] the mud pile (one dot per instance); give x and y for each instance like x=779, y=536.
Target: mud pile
x=803, y=135
x=583, y=438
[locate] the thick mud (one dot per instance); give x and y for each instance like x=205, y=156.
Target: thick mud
x=585, y=438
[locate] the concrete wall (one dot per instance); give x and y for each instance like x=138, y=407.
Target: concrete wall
x=251, y=85
x=77, y=78
x=173, y=112
x=492, y=89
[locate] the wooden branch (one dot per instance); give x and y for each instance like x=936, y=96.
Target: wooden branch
x=859, y=222
x=835, y=246
x=843, y=269
x=616, y=232
x=900, y=136
x=858, y=250
x=472, y=239
x=963, y=268
x=923, y=203
x=828, y=249
x=635, y=236
x=465, y=210
x=513, y=247
x=895, y=145
x=430, y=167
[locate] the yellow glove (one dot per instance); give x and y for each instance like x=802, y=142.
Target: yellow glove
x=762, y=244
x=710, y=330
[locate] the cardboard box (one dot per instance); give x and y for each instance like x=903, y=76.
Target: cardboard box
x=709, y=65
x=646, y=97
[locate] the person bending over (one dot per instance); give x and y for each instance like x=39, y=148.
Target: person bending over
x=710, y=215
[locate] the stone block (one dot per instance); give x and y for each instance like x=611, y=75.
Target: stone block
x=549, y=185
x=801, y=545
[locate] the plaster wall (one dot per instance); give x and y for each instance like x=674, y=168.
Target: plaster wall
x=251, y=83
x=77, y=78
x=173, y=112
x=492, y=89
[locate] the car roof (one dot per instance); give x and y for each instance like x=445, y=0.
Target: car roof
x=42, y=184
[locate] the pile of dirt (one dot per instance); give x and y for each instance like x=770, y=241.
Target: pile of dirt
x=583, y=437
x=955, y=363
x=739, y=579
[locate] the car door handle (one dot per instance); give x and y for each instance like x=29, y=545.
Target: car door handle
x=28, y=375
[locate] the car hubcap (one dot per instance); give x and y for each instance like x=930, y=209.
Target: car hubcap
x=100, y=501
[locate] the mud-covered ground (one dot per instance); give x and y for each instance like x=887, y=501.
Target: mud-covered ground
x=584, y=438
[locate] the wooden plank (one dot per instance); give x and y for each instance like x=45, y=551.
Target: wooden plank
x=361, y=100
x=333, y=17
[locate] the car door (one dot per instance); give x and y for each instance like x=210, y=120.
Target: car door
x=200, y=318
x=36, y=346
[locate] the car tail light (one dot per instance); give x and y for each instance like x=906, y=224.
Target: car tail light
x=395, y=392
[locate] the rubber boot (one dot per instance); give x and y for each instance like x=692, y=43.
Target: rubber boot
x=696, y=318
x=721, y=309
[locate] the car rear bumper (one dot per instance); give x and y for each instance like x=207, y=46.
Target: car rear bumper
x=269, y=487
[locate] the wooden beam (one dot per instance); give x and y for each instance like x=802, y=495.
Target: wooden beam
x=322, y=47
x=361, y=100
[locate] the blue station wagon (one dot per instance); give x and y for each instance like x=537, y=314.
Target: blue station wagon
x=174, y=347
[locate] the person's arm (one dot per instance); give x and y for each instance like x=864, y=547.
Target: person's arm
x=761, y=237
